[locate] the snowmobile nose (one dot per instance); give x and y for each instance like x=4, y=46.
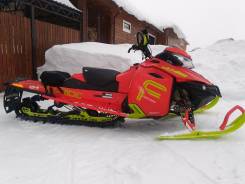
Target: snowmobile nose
x=214, y=90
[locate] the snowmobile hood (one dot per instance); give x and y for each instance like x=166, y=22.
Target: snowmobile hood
x=178, y=51
x=194, y=76
x=180, y=73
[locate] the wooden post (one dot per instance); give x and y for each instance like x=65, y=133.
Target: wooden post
x=99, y=27
x=114, y=14
x=82, y=5
x=34, y=43
x=82, y=28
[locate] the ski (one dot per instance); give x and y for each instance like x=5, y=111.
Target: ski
x=224, y=129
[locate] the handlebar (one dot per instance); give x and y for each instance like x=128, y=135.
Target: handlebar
x=142, y=44
x=134, y=47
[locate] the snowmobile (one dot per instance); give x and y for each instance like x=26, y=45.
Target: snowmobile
x=160, y=86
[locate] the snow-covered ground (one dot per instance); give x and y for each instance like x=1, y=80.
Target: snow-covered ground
x=33, y=153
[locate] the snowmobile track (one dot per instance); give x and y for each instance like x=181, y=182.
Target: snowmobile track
x=60, y=121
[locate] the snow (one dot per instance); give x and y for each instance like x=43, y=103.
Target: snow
x=67, y=3
x=228, y=56
x=176, y=29
x=72, y=57
x=46, y=154
x=133, y=10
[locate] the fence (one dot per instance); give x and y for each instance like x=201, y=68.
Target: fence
x=16, y=46
x=49, y=35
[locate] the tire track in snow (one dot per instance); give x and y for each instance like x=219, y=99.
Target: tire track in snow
x=70, y=168
x=190, y=165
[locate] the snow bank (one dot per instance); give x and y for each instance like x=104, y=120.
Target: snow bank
x=72, y=57
x=224, y=64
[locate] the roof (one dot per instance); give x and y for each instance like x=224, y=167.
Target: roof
x=131, y=9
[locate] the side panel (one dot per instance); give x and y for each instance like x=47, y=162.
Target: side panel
x=108, y=102
x=124, y=79
x=151, y=91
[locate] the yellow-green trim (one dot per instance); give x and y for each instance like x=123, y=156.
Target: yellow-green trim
x=208, y=106
x=137, y=112
x=34, y=114
x=84, y=116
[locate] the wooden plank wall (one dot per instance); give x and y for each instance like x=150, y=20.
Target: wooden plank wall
x=49, y=35
x=16, y=48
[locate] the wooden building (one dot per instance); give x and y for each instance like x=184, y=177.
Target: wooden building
x=105, y=21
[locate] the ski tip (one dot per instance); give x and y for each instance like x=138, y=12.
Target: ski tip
x=232, y=127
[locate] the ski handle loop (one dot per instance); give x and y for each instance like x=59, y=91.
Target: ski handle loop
x=227, y=116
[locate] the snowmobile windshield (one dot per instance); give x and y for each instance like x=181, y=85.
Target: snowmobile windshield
x=187, y=63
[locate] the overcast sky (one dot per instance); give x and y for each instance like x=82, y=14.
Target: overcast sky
x=202, y=21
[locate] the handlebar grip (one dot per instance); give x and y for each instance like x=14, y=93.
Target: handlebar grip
x=129, y=50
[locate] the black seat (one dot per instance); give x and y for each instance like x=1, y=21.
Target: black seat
x=54, y=78
x=99, y=76
x=96, y=79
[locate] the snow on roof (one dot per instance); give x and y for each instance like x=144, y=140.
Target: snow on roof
x=176, y=29
x=66, y=3
x=131, y=9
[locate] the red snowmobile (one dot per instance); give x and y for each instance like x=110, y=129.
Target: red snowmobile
x=162, y=85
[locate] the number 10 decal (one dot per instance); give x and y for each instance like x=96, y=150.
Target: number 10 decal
x=146, y=90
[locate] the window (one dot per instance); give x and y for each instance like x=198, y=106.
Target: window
x=152, y=39
x=127, y=26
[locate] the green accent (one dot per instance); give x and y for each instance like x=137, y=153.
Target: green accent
x=28, y=112
x=84, y=116
x=156, y=85
x=146, y=39
x=208, y=106
x=235, y=125
x=137, y=112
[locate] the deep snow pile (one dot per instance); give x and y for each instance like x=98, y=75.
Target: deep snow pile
x=72, y=57
x=46, y=154
x=224, y=64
